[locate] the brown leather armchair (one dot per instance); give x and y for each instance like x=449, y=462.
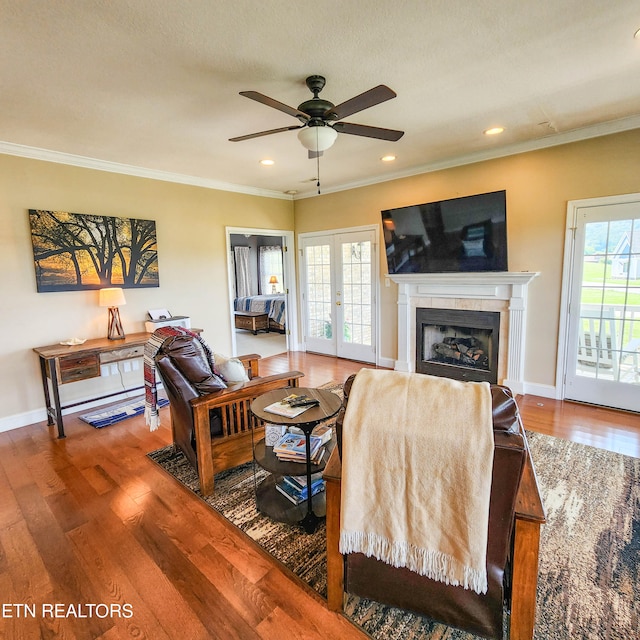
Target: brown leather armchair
x=481, y=614
x=212, y=425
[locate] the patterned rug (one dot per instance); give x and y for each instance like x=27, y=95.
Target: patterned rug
x=106, y=416
x=589, y=582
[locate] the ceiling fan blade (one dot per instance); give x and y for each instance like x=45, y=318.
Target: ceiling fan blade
x=369, y=132
x=264, y=133
x=280, y=106
x=370, y=98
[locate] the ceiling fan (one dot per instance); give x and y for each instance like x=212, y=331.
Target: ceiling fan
x=319, y=117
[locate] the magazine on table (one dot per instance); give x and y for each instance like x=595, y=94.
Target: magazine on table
x=322, y=431
x=294, y=495
x=292, y=445
x=299, y=483
x=289, y=408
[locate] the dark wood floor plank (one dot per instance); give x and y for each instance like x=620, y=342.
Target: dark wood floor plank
x=297, y=629
x=9, y=509
x=252, y=603
x=229, y=543
x=69, y=582
x=133, y=618
x=25, y=567
x=191, y=583
x=301, y=603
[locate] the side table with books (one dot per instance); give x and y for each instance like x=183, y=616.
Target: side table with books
x=296, y=460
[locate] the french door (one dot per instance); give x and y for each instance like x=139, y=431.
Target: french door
x=603, y=343
x=339, y=284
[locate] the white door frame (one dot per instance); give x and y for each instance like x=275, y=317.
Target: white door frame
x=330, y=233
x=289, y=271
x=573, y=206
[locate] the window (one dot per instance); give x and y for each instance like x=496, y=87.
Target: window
x=270, y=267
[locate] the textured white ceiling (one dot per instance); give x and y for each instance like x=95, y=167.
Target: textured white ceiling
x=154, y=83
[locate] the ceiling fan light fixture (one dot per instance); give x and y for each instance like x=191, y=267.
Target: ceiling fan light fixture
x=318, y=138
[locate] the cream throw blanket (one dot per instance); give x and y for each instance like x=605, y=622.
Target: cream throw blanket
x=416, y=474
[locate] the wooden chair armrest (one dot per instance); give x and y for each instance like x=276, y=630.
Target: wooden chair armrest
x=245, y=390
x=250, y=362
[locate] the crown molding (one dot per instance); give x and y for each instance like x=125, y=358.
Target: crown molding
x=36, y=153
x=575, y=135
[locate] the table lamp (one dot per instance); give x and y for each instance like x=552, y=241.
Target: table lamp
x=113, y=297
x=273, y=281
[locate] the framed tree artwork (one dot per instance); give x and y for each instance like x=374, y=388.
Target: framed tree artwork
x=73, y=251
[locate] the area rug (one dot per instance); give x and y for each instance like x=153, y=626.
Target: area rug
x=106, y=416
x=589, y=581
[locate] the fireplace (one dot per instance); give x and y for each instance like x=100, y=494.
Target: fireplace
x=458, y=344
x=498, y=292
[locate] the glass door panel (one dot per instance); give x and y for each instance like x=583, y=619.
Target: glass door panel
x=339, y=281
x=604, y=333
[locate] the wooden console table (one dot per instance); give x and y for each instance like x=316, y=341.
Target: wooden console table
x=530, y=516
x=61, y=364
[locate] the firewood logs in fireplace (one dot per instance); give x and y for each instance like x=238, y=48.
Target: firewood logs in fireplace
x=463, y=351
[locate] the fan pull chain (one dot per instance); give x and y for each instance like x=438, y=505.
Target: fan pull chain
x=317, y=161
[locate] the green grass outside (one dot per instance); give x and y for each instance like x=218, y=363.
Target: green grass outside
x=594, y=273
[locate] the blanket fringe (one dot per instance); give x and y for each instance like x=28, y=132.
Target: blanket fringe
x=153, y=420
x=432, y=564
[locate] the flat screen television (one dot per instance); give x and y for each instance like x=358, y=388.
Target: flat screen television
x=461, y=234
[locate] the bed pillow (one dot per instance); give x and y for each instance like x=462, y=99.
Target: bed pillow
x=231, y=369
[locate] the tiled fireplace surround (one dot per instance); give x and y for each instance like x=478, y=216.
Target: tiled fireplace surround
x=504, y=292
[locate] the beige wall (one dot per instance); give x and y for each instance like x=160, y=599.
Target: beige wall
x=539, y=184
x=190, y=224
x=191, y=243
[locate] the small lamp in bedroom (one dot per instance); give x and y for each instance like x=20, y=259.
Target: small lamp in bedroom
x=273, y=281
x=113, y=297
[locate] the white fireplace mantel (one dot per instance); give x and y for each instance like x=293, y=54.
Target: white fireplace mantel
x=438, y=290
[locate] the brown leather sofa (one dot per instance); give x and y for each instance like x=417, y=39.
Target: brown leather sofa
x=481, y=614
x=212, y=425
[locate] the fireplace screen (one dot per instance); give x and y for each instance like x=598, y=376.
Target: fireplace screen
x=458, y=344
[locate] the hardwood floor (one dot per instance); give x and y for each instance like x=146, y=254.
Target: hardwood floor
x=90, y=520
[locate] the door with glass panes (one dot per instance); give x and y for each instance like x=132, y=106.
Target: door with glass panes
x=339, y=284
x=603, y=355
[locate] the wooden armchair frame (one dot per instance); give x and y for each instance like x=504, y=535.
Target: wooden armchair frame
x=239, y=425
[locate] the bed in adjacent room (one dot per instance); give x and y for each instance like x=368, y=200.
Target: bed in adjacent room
x=272, y=305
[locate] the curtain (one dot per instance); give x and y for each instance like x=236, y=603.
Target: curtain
x=243, y=273
x=270, y=264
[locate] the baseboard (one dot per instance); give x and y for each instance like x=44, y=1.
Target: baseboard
x=542, y=390
x=40, y=415
x=22, y=419
x=387, y=363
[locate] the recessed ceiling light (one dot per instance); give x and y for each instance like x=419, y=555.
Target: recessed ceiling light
x=636, y=35
x=493, y=131
x=389, y=158
x=266, y=162
x=291, y=192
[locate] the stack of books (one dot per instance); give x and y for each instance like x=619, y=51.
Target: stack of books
x=294, y=488
x=292, y=447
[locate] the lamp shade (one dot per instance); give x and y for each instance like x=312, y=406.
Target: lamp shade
x=273, y=280
x=112, y=297
x=317, y=138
